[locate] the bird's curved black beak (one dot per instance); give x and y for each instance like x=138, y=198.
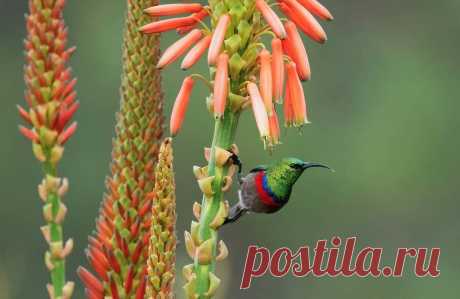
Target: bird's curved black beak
x=307, y=165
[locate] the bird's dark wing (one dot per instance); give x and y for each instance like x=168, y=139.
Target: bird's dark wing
x=258, y=168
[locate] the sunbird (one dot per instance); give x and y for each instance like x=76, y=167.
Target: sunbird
x=266, y=189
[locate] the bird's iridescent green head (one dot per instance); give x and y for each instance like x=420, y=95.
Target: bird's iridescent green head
x=283, y=174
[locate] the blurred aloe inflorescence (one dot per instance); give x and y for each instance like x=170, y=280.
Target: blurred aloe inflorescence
x=243, y=74
x=162, y=247
x=51, y=103
x=118, y=251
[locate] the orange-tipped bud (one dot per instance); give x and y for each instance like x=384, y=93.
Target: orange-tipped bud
x=173, y=9
x=218, y=39
x=317, y=9
x=266, y=88
x=296, y=95
x=258, y=108
x=180, y=105
x=271, y=18
x=221, y=85
x=196, y=52
x=294, y=48
x=277, y=69
x=305, y=20
x=274, y=127
x=166, y=25
x=179, y=48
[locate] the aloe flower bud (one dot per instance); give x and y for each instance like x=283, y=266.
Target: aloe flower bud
x=221, y=85
x=271, y=18
x=294, y=47
x=277, y=70
x=266, y=80
x=118, y=250
x=218, y=39
x=51, y=101
x=179, y=48
x=180, y=106
x=173, y=9
x=162, y=247
x=196, y=53
x=260, y=114
x=317, y=9
x=304, y=20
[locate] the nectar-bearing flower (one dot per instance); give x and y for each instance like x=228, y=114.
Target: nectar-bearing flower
x=51, y=102
x=244, y=73
x=118, y=249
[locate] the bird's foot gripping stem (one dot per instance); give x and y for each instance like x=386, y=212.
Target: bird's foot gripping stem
x=227, y=156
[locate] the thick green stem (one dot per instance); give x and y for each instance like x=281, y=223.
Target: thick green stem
x=224, y=134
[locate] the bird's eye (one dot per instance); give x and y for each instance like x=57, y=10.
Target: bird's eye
x=295, y=166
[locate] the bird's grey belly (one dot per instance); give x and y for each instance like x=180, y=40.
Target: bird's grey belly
x=250, y=198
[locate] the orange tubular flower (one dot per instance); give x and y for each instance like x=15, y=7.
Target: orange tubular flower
x=166, y=25
x=277, y=69
x=221, y=85
x=218, y=39
x=196, y=52
x=180, y=105
x=287, y=108
x=317, y=9
x=294, y=47
x=271, y=18
x=266, y=88
x=197, y=17
x=296, y=95
x=274, y=128
x=258, y=108
x=179, y=48
x=305, y=20
x=173, y=9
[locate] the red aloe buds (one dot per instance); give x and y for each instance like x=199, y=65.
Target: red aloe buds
x=271, y=18
x=258, y=108
x=294, y=47
x=296, y=96
x=180, y=105
x=173, y=9
x=317, y=9
x=218, y=38
x=221, y=85
x=196, y=52
x=277, y=69
x=305, y=20
x=265, y=78
x=179, y=48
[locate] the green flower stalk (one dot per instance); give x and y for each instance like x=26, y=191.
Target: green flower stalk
x=51, y=103
x=118, y=250
x=162, y=247
x=243, y=74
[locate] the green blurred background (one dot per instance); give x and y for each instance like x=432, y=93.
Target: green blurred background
x=384, y=104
